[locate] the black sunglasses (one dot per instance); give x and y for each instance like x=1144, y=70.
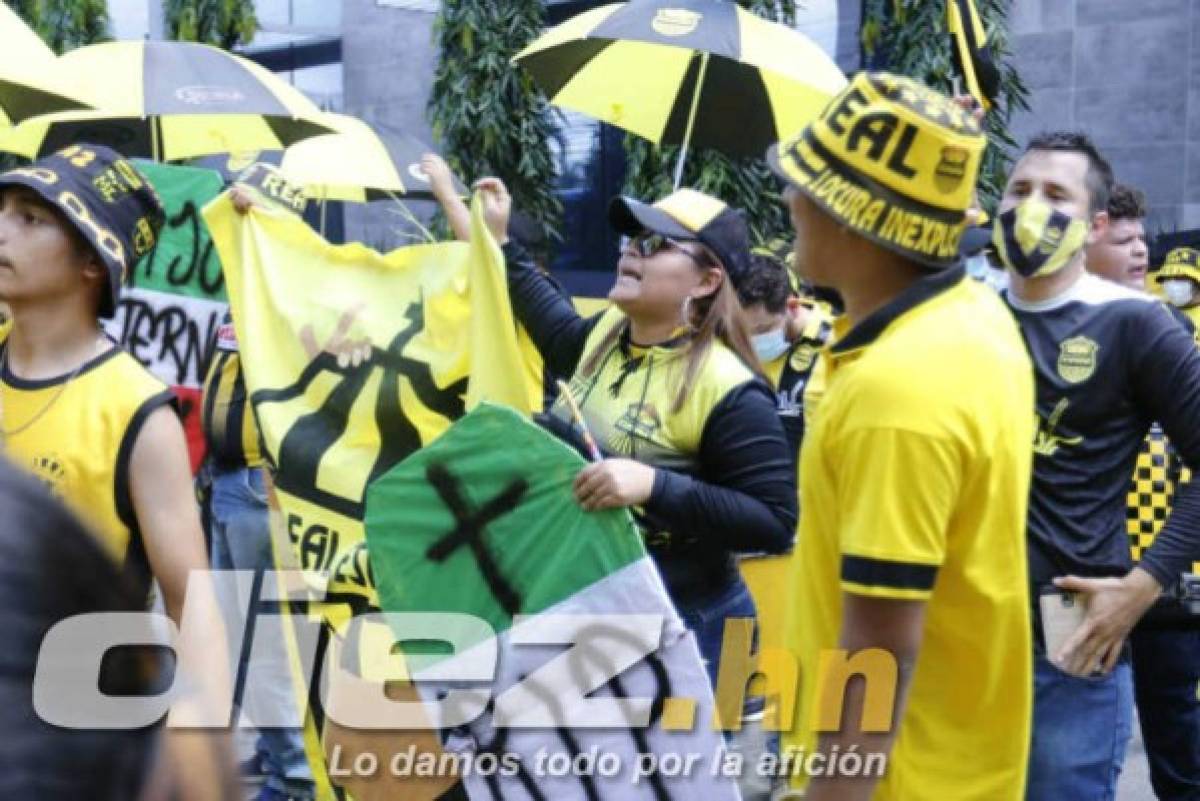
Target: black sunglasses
x=649, y=243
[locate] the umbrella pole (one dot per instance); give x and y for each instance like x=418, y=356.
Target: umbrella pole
x=691, y=123
x=322, y=218
x=155, y=140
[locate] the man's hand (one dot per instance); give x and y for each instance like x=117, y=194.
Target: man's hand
x=497, y=206
x=350, y=351
x=243, y=199
x=441, y=180
x=265, y=185
x=969, y=104
x=1114, y=605
x=614, y=484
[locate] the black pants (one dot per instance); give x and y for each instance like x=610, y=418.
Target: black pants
x=1166, y=678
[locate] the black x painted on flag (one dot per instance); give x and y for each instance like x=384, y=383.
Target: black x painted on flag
x=470, y=527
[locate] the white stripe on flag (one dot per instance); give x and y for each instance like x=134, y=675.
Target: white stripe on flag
x=172, y=335
x=635, y=590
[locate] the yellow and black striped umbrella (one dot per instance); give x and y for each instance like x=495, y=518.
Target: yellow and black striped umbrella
x=31, y=79
x=705, y=73
x=360, y=163
x=169, y=101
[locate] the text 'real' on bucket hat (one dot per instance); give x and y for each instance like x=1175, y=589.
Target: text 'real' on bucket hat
x=106, y=199
x=894, y=161
x=689, y=215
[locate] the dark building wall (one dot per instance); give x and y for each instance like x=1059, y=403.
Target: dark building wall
x=388, y=58
x=1127, y=72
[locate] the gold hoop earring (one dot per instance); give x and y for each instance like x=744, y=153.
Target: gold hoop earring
x=685, y=311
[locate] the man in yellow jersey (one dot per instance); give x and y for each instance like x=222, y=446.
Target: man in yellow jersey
x=75, y=409
x=1179, y=280
x=910, y=561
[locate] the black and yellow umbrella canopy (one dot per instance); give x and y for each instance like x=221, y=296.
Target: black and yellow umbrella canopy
x=171, y=100
x=32, y=81
x=658, y=68
x=360, y=163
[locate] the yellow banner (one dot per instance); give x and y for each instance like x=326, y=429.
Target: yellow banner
x=354, y=359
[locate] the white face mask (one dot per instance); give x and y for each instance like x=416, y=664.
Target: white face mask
x=978, y=266
x=770, y=346
x=1179, y=291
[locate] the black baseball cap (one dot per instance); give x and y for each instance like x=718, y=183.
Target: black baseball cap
x=106, y=199
x=690, y=215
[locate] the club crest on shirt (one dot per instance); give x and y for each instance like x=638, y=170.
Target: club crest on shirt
x=802, y=357
x=1077, y=359
x=640, y=421
x=50, y=470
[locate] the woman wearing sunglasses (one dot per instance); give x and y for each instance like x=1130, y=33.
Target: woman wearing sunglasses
x=668, y=384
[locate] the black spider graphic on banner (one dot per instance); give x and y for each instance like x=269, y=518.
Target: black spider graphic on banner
x=313, y=434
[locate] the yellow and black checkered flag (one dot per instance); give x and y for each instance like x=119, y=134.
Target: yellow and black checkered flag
x=972, y=55
x=1158, y=475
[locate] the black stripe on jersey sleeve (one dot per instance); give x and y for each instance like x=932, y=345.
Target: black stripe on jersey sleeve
x=885, y=573
x=137, y=562
x=234, y=435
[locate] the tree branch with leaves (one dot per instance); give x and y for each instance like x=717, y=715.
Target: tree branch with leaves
x=224, y=23
x=489, y=116
x=65, y=24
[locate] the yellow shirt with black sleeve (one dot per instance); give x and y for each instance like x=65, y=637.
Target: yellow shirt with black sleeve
x=914, y=484
x=724, y=480
x=230, y=430
x=77, y=435
x=791, y=373
x=1192, y=313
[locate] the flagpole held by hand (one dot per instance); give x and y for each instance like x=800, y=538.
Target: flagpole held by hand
x=588, y=440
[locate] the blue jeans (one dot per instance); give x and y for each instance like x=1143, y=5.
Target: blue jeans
x=1166, y=673
x=706, y=618
x=241, y=540
x=1080, y=730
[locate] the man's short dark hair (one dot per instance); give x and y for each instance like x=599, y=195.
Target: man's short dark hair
x=1099, y=174
x=1126, y=203
x=766, y=283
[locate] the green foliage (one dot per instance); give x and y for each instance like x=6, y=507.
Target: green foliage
x=490, y=116
x=910, y=37
x=65, y=24
x=746, y=183
x=224, y=23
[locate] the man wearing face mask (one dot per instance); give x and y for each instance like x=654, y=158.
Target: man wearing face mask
x=1179, y=280
x=787, y=334
x=1108, y=360
x=1120, y=253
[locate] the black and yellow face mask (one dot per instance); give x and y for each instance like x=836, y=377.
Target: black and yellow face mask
x=1035, y=240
